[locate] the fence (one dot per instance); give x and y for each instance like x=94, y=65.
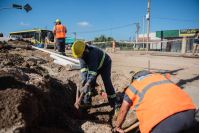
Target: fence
x=118, y=45
x=172, y=45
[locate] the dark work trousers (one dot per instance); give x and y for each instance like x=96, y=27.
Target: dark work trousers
x=60, y=45
x=176, y=122
x=105, y=73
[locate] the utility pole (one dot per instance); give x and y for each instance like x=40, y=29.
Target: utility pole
x=75, y=35
x=111, y=28
x=137, y=25
x=143, y=31
x=148, y=19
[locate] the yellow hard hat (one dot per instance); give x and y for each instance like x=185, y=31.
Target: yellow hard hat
x=134, y=74
x=78, y=48
x=57, y=20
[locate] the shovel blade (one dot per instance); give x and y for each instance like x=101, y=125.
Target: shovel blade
x=77, y=114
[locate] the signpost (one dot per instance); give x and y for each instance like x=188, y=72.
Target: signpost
x=27, y=7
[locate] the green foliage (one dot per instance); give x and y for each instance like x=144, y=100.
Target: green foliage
x=96, y=39
x=109, y=39
x=102, y=38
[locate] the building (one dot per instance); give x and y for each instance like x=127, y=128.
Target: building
x=173, y=40
x=176, y=46
x=152, y=38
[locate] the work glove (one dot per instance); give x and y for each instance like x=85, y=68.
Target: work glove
x=84, y=82
x=85, y=89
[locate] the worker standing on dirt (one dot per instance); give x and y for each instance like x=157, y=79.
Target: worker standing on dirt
x=159, y=104
x=94, y=61
x=54, y=33
x=60, y=31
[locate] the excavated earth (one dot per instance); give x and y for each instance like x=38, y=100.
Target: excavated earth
x=37, y=95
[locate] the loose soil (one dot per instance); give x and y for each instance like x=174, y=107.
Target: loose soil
x=37, y=95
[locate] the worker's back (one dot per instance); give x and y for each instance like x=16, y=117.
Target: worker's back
x=60, y=31
x=156, y=98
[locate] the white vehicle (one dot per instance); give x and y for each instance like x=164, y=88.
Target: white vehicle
x=10, y=38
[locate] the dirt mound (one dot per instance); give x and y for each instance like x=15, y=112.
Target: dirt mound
x=33, y=101
x=20, y=42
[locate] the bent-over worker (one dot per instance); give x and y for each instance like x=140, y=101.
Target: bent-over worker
x=159, y=104
x=60, y=31
x=94, y=61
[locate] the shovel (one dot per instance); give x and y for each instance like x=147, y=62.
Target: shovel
x=77, y=113
x=132, y=127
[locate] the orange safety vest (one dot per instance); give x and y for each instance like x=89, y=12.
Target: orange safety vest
x=155, y=98
x=60, y=31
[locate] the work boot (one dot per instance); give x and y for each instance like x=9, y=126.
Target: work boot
x=86, y=105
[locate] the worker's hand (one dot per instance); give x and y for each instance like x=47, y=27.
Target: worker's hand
x=85, y=89
x=84, y=82
x=120, y=130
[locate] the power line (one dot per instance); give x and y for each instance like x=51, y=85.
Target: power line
x=106, y=29
x=177, y=19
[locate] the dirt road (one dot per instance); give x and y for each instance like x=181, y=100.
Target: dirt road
x=37, y=95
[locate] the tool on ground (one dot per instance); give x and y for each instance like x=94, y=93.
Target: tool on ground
x=132, y=127
x=102, y=93
x=77, y=113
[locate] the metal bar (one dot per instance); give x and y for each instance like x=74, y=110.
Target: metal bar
x=149, y=65
x=10, y=7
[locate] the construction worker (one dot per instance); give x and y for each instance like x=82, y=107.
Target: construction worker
x=94, y=61
x=60, y=31
x=54, y=33
x=159, y=104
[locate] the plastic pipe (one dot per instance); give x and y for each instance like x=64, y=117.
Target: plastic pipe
x=69, y=66
x=60, y=63
x=61, y=56
x=60, y=59
x=73, y=66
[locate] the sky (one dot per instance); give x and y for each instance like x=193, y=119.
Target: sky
x=92, y=18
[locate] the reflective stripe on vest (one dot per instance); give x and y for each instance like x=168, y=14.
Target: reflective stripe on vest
x=102, y=60
x=60, y=32
x=100, y=65
x=141, y=95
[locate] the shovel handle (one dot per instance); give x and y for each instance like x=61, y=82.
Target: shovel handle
x=80, y=98
x=132, y=127
x=77, y=92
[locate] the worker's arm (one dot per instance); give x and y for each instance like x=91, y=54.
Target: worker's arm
x=54, y=30
x=93, y=64
x=84, y=70
x=122, y=114
x=65, y=30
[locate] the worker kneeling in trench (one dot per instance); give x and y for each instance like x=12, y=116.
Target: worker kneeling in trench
x=159, y=104
x=94, y=61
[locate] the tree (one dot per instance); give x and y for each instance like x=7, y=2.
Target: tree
x=109, y=39
x=96, y=39
x=102, y=38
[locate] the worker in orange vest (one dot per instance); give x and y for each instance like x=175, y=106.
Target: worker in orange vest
x=159, y=104
x=54, y=33
x=60, y=31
